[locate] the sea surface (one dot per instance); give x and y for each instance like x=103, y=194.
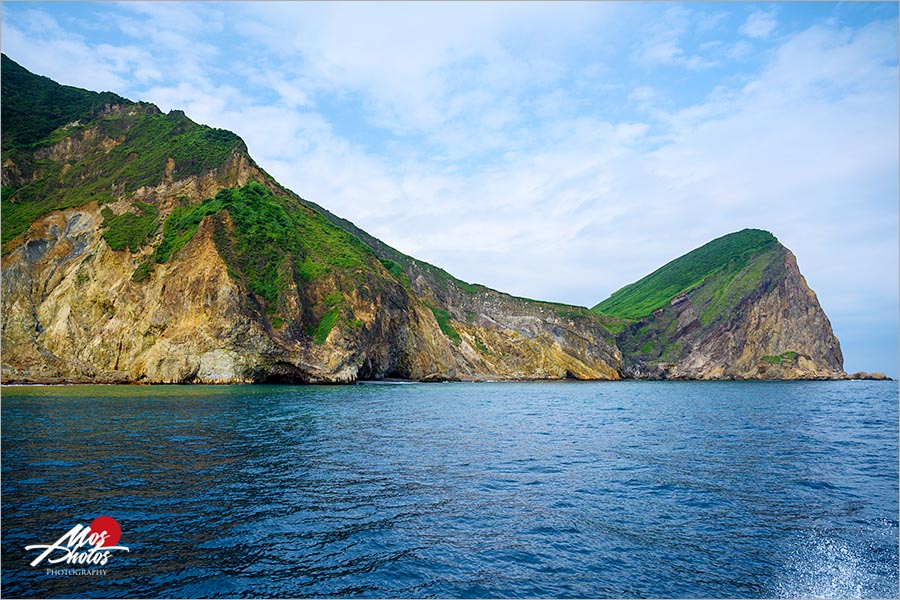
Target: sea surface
x=624, y=489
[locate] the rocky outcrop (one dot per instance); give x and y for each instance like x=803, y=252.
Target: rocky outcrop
x=72, y=313
x=772, y=328
x=504, y=337
x=874, y=376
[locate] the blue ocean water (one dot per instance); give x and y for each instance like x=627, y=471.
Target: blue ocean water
x=625, y=489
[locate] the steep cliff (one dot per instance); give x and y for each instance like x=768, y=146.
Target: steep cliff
x=140, y=246
x=736, y=308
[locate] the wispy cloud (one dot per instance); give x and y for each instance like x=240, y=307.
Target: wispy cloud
x=760, y=24
x=68, y=56
x=662, y=42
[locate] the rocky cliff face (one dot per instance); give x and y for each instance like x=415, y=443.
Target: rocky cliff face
x=73, y=311
x=142, y=247
x=759, y=321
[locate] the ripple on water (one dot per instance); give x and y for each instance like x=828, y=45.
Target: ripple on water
x=537, y=490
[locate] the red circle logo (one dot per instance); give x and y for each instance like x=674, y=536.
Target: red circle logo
x=110, y=526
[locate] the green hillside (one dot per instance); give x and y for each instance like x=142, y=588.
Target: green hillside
x=275, y=246
x=145, y=140
x=722, y=257
x=271, y=241
x=34, y=106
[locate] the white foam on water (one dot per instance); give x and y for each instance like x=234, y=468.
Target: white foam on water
x=827, y=566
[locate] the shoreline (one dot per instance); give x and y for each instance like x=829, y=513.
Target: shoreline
x=63, y=382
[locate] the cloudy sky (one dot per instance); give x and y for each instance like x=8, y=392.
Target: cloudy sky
x=554, y=151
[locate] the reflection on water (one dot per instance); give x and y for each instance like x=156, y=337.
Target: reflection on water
x=460, y=490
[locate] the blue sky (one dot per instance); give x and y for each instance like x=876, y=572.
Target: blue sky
x=555, y=151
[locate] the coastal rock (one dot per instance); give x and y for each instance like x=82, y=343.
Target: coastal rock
x=750, y=316
x=874, y=376
x=82, y=304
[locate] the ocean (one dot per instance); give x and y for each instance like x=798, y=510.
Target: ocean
x=474, y=490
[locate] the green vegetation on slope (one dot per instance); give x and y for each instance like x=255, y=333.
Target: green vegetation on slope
x=397, y=272
x=395, y=261
x=728, y=287
x=325, y=325
x=480, y=345
x=613, y=325
x=129, y=230
x=142, y=272
x=33, y=106
x=149, y=140
x=785, y=358
x=263, y=235
x=272, y=237
x=443, y=321
x=724, y=256
x=181, y=225
x=133, y=148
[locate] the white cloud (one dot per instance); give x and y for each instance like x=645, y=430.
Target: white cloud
x=822, y=60
x=643, y=94
x=427, y=69
x=185, y=18
x=760, y=24
x=41, y=45
x=739, y=50
x=662, y=42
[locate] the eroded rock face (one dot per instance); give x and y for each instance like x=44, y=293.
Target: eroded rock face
x=777, y=330
x=72, y=312
x=503, y=337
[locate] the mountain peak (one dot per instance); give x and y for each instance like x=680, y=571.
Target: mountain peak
x=727, y=254
x=736, y=307
x=33, y=106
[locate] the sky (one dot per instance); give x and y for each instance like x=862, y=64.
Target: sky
x=550, y=150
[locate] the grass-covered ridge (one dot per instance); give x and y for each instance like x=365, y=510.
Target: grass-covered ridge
x=122, y=150
x=147, y=140
x=33, y=106
x=723, y=257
